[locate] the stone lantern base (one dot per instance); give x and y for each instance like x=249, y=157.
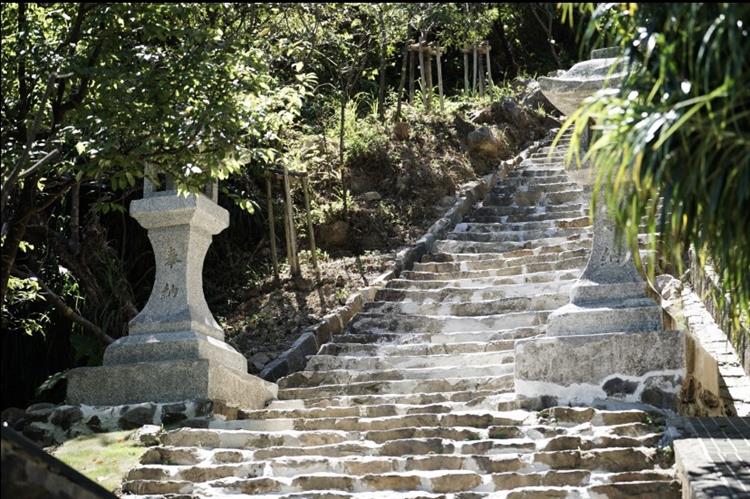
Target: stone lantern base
x=175, y=349
x=639, y=367
x=168, y=381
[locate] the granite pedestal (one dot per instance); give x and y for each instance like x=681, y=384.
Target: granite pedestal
x=175, y=350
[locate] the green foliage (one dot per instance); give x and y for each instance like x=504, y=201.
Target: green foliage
x=678, y=129
x=19, y=312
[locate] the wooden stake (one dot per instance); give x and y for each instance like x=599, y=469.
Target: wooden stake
x=292, y=242
x=474, y=81
x=422, y=78
x=272, y=229
x=489, y=67
x=411, y=76
x=311, y=237
x=402, y=80
x=481, y=78
x=428, y=76
x=440, y=80
x=466, y=69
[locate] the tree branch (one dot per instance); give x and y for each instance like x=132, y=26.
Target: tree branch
x=65, y=309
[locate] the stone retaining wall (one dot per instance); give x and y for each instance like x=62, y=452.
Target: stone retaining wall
x=50, y=424
x=707, y=286
x=313, y=337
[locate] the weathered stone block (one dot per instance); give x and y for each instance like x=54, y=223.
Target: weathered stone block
x=171, y=381
x=584, y=368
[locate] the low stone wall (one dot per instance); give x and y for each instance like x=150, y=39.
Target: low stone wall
x=715, y=383
x=707, y=286
x=49, y=424
x=313, y=337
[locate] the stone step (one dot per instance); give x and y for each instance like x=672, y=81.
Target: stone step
x=357, y=428
x=499, y=383
x=515, y=480
x=541, y=225
x=499, y=403
x=538, y=216
x=451, y=246
x=373, y=474
x=612, y=460
x=575, y=262
x=548, y=301
x=539, y=185
x=498, y=261
x=371, y=322
x=573, y=416
x=398, y=338
x=458, y=295
x=342, y=376
x=663, y=489
x=381, y=362
x=496, y=210
x=537, y=198
x=518, y=180
x=387, y=350
x=540, y=251
x=577, y=442
x=504, y=401
x=648, y=489
x=225, y=464
x=488, y=283
x=516, y=236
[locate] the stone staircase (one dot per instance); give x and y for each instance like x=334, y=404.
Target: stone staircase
x=416, y=398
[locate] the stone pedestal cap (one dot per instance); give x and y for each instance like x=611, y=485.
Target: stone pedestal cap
x=175, y=209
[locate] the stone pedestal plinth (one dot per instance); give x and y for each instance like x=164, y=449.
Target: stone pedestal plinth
x=608, y=341
x=175, y=350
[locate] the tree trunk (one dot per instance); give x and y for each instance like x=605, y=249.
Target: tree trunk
x=547, y=29
x=466, y=71
x=16, y=233
x=412, y=63
x=402, y=82
x=383, y=53
x=440, y=81
x=481, y=77
x=75, y=217
x=428, y=77
x=422, y=77
x=344, y=98
x=490, y=83
x=474, y=81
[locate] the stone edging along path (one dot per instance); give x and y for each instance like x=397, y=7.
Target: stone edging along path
x=313, y=337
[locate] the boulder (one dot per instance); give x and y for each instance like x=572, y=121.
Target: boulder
x=136, y=416
x=173, y=413
x=259, y=360
x=66, y=416
x=483, y=142
x=463, y=127
x=534, y=98
x=40, y=411
x=147, y=435
x=371, y=196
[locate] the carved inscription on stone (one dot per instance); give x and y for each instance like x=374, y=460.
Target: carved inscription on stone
x=169, y=291
x=172, y=258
